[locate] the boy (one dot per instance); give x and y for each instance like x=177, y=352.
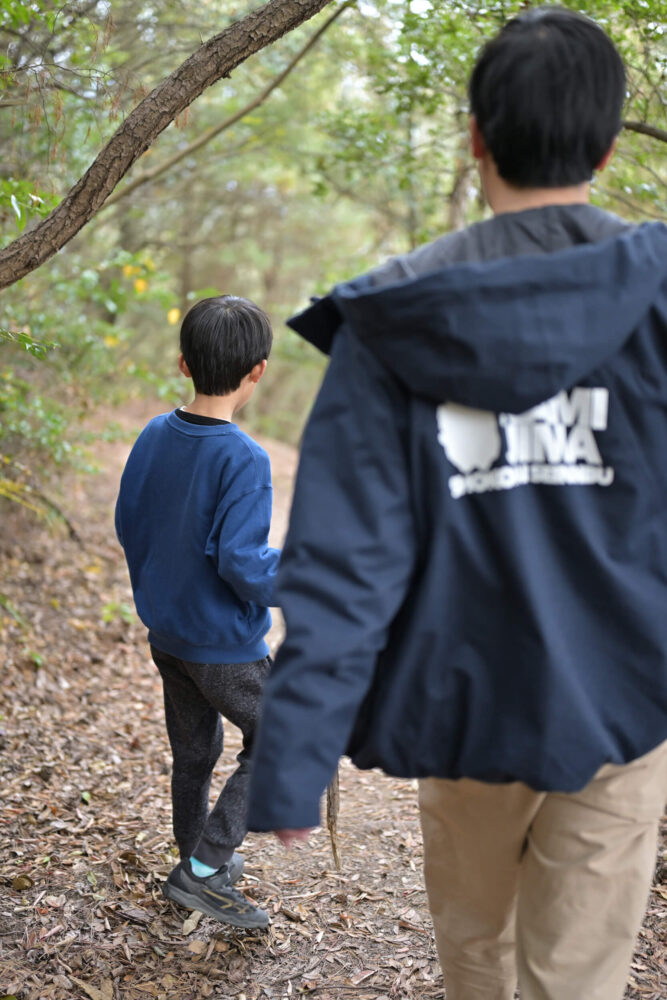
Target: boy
x=193, y=517
x=485, y=610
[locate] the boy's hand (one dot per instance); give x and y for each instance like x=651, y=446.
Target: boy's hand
x=288, y=838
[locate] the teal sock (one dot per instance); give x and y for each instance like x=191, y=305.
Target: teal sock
x=200, y=869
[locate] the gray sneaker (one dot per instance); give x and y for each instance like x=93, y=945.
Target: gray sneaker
x=235, y=867
x=213, y=895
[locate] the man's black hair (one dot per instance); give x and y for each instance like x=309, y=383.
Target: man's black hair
x=222, y=339
x=547, y=93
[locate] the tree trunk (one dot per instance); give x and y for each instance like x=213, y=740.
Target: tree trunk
x=212, y=61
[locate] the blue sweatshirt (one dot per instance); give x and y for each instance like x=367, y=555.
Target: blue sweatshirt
x=193, y=516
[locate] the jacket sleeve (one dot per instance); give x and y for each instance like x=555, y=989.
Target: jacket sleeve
x=344, y=574
x=241, y=548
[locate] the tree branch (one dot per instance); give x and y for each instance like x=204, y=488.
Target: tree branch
x=212, y=61
x=211, y=133
x=644, y=129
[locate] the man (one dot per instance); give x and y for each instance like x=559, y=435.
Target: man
x=475, y=577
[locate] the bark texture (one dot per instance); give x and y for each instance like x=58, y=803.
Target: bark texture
x=212, y=61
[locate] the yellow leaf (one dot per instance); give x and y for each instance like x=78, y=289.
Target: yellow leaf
x=173, y=316
x=140, y=285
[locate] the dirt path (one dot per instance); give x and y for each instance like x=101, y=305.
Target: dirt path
x=85, y=827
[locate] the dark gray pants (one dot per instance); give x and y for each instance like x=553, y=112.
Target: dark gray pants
x=195, y=696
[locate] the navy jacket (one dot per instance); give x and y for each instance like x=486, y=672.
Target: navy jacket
x=193, y=516
x=475, y=576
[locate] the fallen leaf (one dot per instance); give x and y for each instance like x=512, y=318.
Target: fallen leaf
x=359, y=977
x=22, y=882
x=134, y=913
x=197, y=947
x=103, y=992
x=191, y=923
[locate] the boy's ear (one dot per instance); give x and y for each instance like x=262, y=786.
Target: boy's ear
x=607, y=156
x=183, y=367
x=256, y=373
x=477, y=143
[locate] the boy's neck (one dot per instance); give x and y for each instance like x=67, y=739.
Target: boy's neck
x=218, y=407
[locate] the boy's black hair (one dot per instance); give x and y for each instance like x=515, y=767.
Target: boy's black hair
x=547, y=93
x=222, y=339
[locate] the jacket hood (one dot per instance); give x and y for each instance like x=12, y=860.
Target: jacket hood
x=506, y=334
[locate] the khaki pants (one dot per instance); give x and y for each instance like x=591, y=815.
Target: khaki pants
x=547, y=888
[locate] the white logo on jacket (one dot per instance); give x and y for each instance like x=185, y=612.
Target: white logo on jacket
x=554, y=444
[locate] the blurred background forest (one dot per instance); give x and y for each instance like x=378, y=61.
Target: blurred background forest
x=342, y=143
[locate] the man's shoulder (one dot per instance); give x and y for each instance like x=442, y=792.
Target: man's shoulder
x=533, y=231
x=447, y=249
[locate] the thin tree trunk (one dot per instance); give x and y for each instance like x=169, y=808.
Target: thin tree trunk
x=212, y=61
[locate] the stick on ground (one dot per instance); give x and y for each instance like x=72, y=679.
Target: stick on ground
x=333, y=804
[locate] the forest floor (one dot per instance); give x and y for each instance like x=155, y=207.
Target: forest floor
x=85, y=837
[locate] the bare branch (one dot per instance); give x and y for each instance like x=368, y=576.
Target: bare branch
x=644, y=129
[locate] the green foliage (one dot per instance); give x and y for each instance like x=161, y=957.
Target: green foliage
x=19, y=200
x=7, y=606
x=397, y=139
x=37, y=348
x=118, y=611
x=17, y=13
x=47, y=388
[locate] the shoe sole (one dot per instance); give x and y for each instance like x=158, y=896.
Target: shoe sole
x=192, y=902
